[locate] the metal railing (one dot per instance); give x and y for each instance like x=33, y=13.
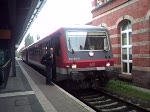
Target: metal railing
x=4, y=74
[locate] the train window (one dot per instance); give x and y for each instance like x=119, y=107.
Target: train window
x=34, y=51
x=40, y=50
x=43, y=49
x=57, y=45
x=94, y=40
x=31, y=51
x=37, y=50
x=50, y=43
x=58, y=48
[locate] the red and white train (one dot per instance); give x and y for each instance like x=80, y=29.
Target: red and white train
x=82, y=55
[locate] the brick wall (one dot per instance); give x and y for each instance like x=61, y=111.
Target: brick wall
x=111, y=15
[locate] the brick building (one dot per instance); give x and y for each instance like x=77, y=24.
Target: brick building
x=128, y=22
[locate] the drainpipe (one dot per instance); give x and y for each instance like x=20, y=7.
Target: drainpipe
x=12, y=17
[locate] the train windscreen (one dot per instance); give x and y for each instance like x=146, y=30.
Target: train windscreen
x=82, y=40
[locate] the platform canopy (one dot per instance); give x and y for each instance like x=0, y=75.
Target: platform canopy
x=16, y=16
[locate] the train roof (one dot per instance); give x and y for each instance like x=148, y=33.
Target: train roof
x=82, y=27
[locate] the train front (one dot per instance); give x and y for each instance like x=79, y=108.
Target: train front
x=90, y=57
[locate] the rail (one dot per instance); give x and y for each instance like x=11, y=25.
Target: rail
x=4, y=74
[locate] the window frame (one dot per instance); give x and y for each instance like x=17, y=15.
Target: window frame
x=128, y=46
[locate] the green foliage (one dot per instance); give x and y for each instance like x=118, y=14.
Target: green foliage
x=38, y=37
x=29, y=40
x=127, y=89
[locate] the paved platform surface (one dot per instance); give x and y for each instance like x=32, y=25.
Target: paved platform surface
x=27, y=92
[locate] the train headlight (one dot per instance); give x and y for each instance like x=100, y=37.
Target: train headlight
x=91, y=53
x=74, y=66
x=107, y=64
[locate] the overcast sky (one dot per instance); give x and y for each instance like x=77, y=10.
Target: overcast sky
x=57, y=13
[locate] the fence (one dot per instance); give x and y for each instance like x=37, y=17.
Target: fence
x=4, y=74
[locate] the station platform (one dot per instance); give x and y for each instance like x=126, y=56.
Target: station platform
x=27, y=92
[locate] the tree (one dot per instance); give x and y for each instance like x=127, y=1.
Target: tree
x=37, y=36
x=29, y=40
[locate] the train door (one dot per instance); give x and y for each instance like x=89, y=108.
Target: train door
x=26, y=55
x=56, y=54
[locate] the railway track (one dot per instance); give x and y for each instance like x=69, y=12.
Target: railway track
x=103, y=102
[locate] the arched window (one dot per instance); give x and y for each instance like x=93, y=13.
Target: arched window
x=126, y=47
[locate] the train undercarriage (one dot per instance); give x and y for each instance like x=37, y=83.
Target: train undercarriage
x=86, y=79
